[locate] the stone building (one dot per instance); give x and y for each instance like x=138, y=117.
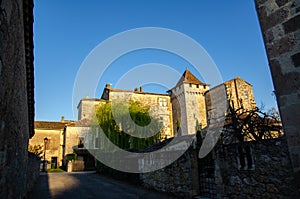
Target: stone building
x=76, y=140
x=188, y=103
x=58, y=139
x=18, y=168
x=160, y=104
x=236, y=92
x=279, y=21
x=86, y=107
x=185, y=107
x=182, y=111
x=49, y=135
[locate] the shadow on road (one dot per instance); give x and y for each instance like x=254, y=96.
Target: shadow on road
x=88, y=185
x=41, y=188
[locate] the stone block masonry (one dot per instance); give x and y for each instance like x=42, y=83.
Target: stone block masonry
x=180, y=178
x=17, y=172
x=268, y=175
x=280, y=24
x=241, y=170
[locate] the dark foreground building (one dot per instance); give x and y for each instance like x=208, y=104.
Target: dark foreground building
x=18, y=168
x=280, y=24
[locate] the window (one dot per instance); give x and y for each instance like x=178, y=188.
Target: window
x=163, y=102
x=246, y=94
x=197, y=85
x=190, y=85
x=81, y=142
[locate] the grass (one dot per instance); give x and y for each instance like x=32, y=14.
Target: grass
x=55, y=170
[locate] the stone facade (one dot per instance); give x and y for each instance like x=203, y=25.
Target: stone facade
x=74, y=139
x=16, y=97
x=239, y=94
x=160, y=104
x=236, y=92
x=53, y=147
x=279, y=20
x=63, y=138
x=86, y=107
x=188, y=103
x=77, y=139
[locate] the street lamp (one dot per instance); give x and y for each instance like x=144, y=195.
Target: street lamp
x=44, y=165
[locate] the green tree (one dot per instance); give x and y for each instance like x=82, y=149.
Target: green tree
x=121, y=134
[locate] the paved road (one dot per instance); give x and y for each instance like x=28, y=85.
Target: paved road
x=88, y=185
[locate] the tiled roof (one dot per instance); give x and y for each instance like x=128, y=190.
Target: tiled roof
x=83, y=122
x=132, y=91
x=228, y=82
x=188, y=77
x=237, y=78
x=50, y=125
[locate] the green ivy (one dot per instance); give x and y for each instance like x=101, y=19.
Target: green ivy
x=139, y=114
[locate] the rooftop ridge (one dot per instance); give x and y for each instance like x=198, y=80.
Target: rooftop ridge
x=188, y=77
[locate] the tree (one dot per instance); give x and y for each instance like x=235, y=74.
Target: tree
x=273, y=112
x=121, y=133
x=253, y=124
x=36, y=149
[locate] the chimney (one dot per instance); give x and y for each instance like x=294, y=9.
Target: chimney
x=62, y=118
x=141, y=89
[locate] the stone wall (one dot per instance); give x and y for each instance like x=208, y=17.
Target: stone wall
x=241, y=170
x=180, y=178
x=240, y=94
x=33, y=170
x=75, y=165
x=280, y=24
x=179, y=110
x=16, y=96
x=267, y=172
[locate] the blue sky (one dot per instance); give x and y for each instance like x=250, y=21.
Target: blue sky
x=66, y=31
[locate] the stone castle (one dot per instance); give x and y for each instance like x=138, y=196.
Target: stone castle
x=185, y=107
x=182, y=110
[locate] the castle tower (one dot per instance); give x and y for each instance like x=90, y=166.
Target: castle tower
x=188, y=104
